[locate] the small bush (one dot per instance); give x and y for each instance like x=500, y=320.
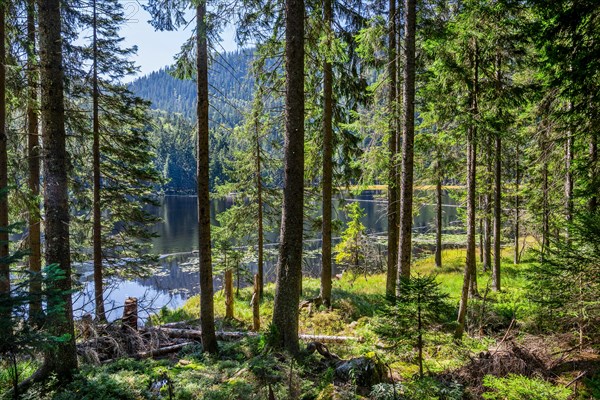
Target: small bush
x=517, y=387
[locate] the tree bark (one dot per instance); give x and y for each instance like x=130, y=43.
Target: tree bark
x=97, y=224
x=470, y=270
x=408, y=137
x=62, y=359
x=289, y=265
x=207, y=319
x=259, y=194
x=517, y=206
x=497, y=213
x=4, y=266
x=326, y=263
x=438, y=215
x=497, y=192
x=471, y=216
x=569, y=175
x=593, y=201
x=392, y=194
x=33, y=161
x=545, y=189
x=229, y=294
x=487, y=206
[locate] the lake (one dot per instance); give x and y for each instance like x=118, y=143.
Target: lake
x=176, y=278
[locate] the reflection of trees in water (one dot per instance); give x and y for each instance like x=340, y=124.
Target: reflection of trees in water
x=178, y=232
x=171, y=276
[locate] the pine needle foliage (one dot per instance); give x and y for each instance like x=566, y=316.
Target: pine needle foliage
x=419, y=305
x=565, y=285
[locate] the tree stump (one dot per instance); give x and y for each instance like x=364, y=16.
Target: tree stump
x=130, y=314
x=87, y=326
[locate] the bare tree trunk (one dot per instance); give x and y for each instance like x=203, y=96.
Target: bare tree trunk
x=62, y=359
x=33, y=161
x=497, y=214
x=467, y=276
x=545, y=202
x=327, y=166
x=392, y=211
x=207, y=318
x=593, y=201
x=259, y=190
x=470, y=269
x=438, y=213
x=497, y=191
x=97, y=224
x=480, y=234
x=4, y=266
x=289, y=266
x=517, y=205
x=487, y=206
x=408, y=137
x=472, y=218
x=569, y=177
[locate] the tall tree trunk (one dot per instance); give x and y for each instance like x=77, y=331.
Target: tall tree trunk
x=327, y=164
x=497, y=191
x=438, y=214
x=33, y=161
x=97, y=224
x=517, y=205
x=4, y=266
x=259, y=194
x=497, y=213
x=480, y=233
x=289, y=266
x=471, y=216
x=569, y=175
x=470, y=268
x=62, y=359
x=470, y=262
x=207, y=318
x=408, y=137
x=487, y=205
x=593, y=201
x=392, y=210
x=545, y=189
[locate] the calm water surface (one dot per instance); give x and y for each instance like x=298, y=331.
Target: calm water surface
x=176, y=278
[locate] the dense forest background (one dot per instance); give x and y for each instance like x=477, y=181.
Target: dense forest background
x=173, y=117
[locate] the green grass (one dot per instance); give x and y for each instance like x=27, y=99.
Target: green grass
x=244, y=369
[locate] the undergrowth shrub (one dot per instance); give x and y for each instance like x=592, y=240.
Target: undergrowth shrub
x=517, y=387
x=418, y=389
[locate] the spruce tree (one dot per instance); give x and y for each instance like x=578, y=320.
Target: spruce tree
x=122, y=173
x=169, y=17
x=408, y=138
x=61, y=360
x=4, y=267
x=289, y=265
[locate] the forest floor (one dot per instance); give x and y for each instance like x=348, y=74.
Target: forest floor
x=506, y=355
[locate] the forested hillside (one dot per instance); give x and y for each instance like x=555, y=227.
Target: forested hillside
x=230, y=89
x=173, y=102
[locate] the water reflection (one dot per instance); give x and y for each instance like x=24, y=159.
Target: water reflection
x=176, y=278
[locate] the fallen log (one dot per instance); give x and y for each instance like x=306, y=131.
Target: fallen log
x=228, y=335
x=161, y=351
x=329, y=339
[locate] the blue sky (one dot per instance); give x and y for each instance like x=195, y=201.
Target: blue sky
x=157, y=49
